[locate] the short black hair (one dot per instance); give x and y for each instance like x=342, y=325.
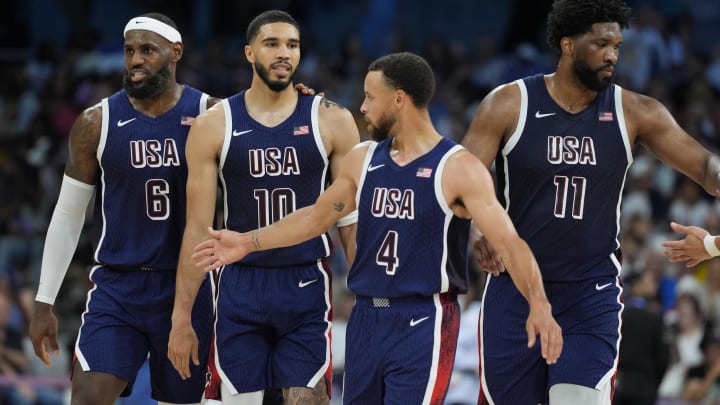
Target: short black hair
x=268, y=17
x=569, y=18
x=408, y=72
x=162, y=18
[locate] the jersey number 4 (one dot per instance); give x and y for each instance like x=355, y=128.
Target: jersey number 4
x=562, y=184
x=387, y=255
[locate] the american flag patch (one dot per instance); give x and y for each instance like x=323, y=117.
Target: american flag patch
x=186, y=120
x=423, y=172
x=301, y=130
x=605, y=116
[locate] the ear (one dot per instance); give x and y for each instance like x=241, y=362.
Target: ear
x=249, y=55
x=567, y=45
x=400, y=98
x=176, y=51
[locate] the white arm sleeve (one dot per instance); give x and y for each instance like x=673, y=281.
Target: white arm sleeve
x=348, y=219
x=62, y=236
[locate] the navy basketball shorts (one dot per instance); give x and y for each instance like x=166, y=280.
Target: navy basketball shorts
x=588, y=312
x=273, y=327
x=400, y=351
x=128, y=318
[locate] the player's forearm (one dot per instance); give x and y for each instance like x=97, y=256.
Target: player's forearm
x=301, y=225
x=188, y=279
x=525, y=273
x=711, y=181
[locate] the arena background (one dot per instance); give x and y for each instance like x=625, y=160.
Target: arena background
x=58, y=57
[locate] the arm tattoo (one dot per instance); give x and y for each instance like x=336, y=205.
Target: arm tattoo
x=328, y=103
x=339, y=206
x=255, y=240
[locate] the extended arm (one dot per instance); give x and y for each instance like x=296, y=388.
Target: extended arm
x=65, y=228
x=343, y=135
x=469, y=188
x=660, y=133
x=494, y=120
x=202, y=149
x=337, y=201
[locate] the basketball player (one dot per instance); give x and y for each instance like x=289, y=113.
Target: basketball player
x=416, y=192
x=271, y=150
x=129, y=152
x=563, y=144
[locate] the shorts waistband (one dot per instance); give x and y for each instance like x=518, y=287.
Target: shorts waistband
x=388, y=302
x=129, y=269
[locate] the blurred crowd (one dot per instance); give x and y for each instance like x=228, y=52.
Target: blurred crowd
x=671, y=325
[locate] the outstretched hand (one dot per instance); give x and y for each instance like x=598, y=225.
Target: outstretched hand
x=690, y=249
x=541, y=322
x=223, y=247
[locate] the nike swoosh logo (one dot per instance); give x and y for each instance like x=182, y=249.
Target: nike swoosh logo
x=302, y=284
x=602, y=287
x=238, y=133
x=122, y=123
x=414, y=321
x=371, y=167
x=539, y=115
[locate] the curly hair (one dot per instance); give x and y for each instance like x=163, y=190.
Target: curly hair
x=408, y=72
x=569, y=18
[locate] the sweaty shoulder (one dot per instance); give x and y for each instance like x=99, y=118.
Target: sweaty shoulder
x=84, y=138
x=208, y=129
x=331, y=113
x=494, y=120
x=337, y=127
x=644, y=115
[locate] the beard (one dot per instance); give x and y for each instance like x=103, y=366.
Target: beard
x=381, y=131
x=274, y=85
x=589, y=76
x=153, y=84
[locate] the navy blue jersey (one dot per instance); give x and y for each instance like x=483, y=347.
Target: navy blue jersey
x=140, y=202
x=267, y=173
x=409, y=243
x=561, y=176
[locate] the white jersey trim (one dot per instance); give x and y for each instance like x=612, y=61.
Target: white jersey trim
x=440, y=198
x=622, y=126
x=315, y=122
x=514, y=138
x=368, y=157
x=105, y=108
x=437, y=343
x=78, y=353
x=223, y=154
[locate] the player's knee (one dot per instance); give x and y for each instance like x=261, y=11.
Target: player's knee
x=314, y=396
x=572, y=394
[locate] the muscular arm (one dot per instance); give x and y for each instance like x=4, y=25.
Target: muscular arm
x=308, y=222
x=494, y=120
x=202, y=150
x=338, y=127
x=65, y=227
x=656, y=129
x=468, y=188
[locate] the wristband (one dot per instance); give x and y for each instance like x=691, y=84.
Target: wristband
x=710, y=247
x=348, y=219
